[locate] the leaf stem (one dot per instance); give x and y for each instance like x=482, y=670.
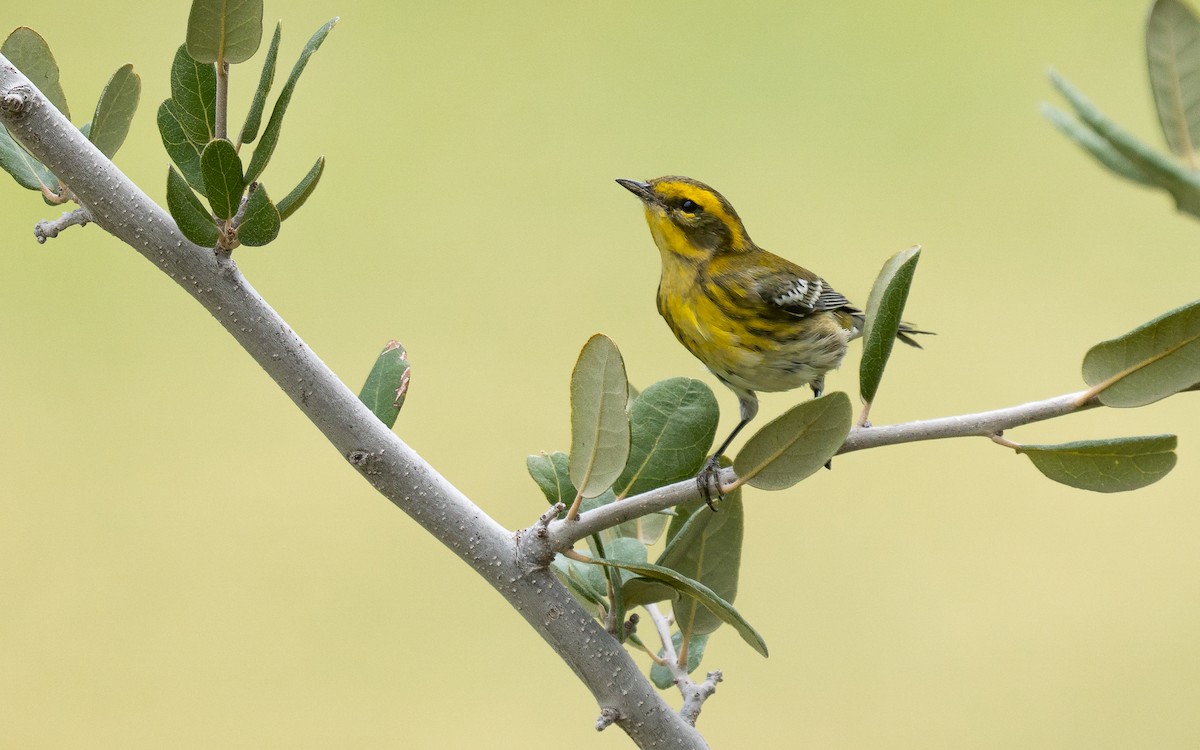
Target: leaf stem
x=222, y=104
x=999, y=439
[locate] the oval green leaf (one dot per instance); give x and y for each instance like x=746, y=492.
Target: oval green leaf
x=266, y=78
x=224, y=30
x=1151, y=362
x=672, y=424
x=550, y=472
x=599, y=423
x=223, y=181
x=640, y=591
x=686, y=586
x=115, y=110
x=300, y=193
x=182, y=150
x=1173, y=59
x=387, y=383
x=885, y=306
x=26, y=49
x=707, y=549
x=24, y=168
x=194, y=221
x=796, y=444
x=1115, y=465
x=194, y=97
x=270, y=136
x=260, y=221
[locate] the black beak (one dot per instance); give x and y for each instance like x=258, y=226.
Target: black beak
x=640, y=189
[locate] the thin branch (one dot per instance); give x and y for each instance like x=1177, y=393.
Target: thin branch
x=562, y=534
x=983, y=424
x=663, y=627
x=392, y=467
x=48, y=230
x=694, y=694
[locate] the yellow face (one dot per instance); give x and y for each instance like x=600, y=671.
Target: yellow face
x=688, y=218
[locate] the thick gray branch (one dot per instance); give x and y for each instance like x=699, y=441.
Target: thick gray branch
x=121, y=208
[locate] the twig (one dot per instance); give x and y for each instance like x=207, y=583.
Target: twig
x=694, y=694
x=562, y=535
x=48, y=230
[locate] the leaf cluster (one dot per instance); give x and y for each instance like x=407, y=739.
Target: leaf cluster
x=107, y=129
x=625, y=443
x=206, y=164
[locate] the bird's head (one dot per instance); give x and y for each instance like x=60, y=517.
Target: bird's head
x=688, y=218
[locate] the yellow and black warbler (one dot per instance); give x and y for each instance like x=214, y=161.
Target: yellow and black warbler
x=757, y=321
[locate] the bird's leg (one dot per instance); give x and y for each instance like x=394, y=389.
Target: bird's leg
x=709, y=478
x=818, y=387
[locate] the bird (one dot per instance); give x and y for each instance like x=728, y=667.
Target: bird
x=757, y=321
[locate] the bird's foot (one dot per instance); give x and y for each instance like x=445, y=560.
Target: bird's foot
x=709, y=482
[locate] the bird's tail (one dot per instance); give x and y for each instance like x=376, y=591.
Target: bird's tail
x=908, y=330
x=905, y=333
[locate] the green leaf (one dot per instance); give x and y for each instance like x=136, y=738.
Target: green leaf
x=708, y=549
x=884, y=308
x=627, y=552
x=260, y=220
x=1151, y=362
x=1100, y=149
x=387, y=384
x=1115, y=465
x=195, y=222
x=224, y=30
x=254, y=116
x=1173, y=57
x=585, y=582
x=550, y=472
x=684, y=510
x=270, y=137
x=194, y=93
x=796, y=444
x=1165, y=172
x=672, y=424
x=300, y=193
x=115, y=110
x=552, y=475
x=223, y=181
x=26, y=49
x=640, y=591
x=661, y=676
x=182, y=150
x=24, y=168
x=599, y=424
x=701, y=593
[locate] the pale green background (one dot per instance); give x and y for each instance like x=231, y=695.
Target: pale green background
x=185, y=563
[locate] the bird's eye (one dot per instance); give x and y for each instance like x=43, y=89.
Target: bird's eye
x=690, y=206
